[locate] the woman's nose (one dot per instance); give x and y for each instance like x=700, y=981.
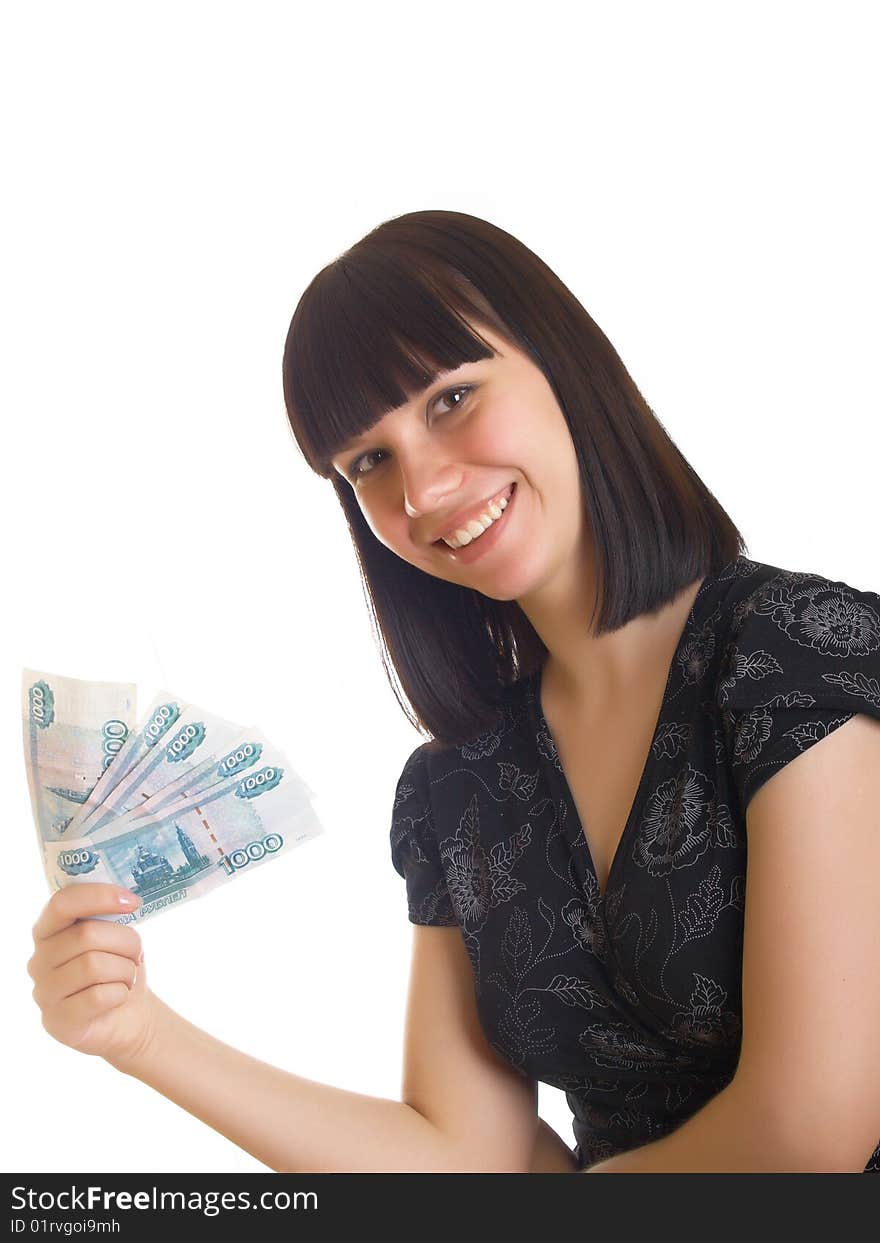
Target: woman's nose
x=430, y=490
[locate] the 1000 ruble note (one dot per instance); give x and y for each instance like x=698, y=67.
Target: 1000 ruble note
x=73, y=733
x=163, y=714
x=195, y=844
x=246, y=751
x=183, y=756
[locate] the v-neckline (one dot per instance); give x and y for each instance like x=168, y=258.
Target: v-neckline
x=576, y=834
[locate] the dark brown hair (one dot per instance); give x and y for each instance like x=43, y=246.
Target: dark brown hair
x=374, y=328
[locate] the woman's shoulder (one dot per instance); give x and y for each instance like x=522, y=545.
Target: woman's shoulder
x=800, y=608
x=750, y=601
x=802, y=655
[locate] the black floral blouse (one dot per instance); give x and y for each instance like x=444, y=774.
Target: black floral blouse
x=631, y=1002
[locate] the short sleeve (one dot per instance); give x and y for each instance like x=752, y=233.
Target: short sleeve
x=415, y=850
x=804, y=659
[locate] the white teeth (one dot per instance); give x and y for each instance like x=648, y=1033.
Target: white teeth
x=476, y=526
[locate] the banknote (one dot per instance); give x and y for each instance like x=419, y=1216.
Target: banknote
x=163, y=713
x=245, y=751
x=185, y=754
x=73, y=731
x=195, y=844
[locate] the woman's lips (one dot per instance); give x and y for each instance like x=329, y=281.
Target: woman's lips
x=476, y=512
x=484, y=543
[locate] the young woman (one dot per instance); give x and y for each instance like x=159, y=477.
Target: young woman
x=606, y=683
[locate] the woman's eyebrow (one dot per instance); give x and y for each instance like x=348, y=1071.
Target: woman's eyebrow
x=440, y=377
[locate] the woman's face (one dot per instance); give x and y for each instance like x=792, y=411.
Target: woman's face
x=429, y=467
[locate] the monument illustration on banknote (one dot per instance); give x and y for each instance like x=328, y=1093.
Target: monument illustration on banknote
x=169, y=807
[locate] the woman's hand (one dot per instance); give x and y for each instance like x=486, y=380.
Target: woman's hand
x=89, y=978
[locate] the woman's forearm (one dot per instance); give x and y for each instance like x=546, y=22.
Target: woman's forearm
x=551, y=1155
x=289, y=1123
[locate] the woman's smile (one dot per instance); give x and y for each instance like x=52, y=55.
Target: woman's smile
x=481, y=545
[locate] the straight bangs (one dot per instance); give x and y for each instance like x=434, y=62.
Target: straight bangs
x=367, y=336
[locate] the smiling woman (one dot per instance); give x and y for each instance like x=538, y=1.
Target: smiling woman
x=437, y=303
x=605, y=681
x=650, y=879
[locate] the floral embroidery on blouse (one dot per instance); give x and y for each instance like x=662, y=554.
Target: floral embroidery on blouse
x=631, y=1002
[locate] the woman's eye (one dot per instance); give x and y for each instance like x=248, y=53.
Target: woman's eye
x=355, y=472
x=462, y=388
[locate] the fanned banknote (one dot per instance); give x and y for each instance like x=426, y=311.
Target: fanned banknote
x=228, y=811
x=74, y=731
x=171, y=764
x=245, y=751
x=162, y=715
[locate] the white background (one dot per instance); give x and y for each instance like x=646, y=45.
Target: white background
x=701, y=176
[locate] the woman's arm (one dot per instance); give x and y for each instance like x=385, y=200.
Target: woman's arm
x=462, y=1108
x=295, y=1124
x=551, y=1154
x=288, y=1122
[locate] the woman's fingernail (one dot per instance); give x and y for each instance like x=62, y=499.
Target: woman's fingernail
x=128, y=899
